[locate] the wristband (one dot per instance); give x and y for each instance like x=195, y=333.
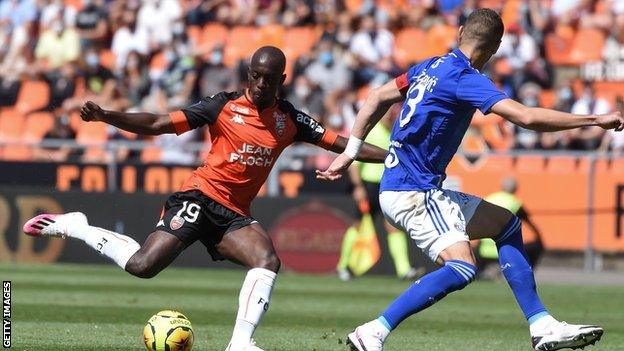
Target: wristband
x=353, y=147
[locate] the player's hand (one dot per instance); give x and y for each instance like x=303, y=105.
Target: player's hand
x=340, y=164
x=613, y=120
x=91, y=112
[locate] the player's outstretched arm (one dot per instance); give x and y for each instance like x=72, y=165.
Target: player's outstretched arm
x=369, y=153
x=140, y=123
x=546, y=120
x=377, y=104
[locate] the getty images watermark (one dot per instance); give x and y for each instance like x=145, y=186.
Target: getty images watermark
x=6, y=314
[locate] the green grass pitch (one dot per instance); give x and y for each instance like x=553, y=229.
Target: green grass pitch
x=81, y=307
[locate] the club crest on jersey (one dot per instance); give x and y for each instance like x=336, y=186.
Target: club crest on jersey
x=280, y=122
x=176, y=222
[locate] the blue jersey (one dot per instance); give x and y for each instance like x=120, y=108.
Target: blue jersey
x=442, y=95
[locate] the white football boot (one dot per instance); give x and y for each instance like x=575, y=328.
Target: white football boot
x=365, y=338
x=54, y=225
x=561, y=335
x=250, y=347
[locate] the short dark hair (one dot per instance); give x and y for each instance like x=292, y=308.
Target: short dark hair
x=484, y=26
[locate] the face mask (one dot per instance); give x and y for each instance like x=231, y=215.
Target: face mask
x=177, y=28
x=57, y=27
x=335, y=121
x=216, y=58
x=565, y=94
x=302, y=91
x=326, y=58
x=92, y=60
x=170, y=55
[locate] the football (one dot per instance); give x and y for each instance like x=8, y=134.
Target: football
x=168, y=331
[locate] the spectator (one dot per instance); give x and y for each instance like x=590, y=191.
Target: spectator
x=328, y=72
x=17, y=18
x=91, y=24
x=528, y=96
x=62, y=84
x=520, y=50
x=56, y=9
x=309, y=97
x=588, y=138
x=129, y=38
x=157, y=18
x=99, y=83
x=179, y=78
x=134, y=83
x=61, y=131
x=57, y=46
x=614, y=141
x=372, y=46
x=215, y=76
x=9, y=89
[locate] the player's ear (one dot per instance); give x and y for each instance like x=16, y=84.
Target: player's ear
x=460, y=34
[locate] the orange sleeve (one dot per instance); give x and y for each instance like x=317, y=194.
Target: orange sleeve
x=402, y=83
x=180, y=123
x=329, y=138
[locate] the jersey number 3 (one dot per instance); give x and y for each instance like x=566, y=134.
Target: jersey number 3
x=412, y=101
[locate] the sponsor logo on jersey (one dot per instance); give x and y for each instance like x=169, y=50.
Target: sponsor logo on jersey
x=309, y=121
x=176, y=222
x=280, y=122
x=253, y=155
x=237, y=119
x=160, y=223
x=239, y=109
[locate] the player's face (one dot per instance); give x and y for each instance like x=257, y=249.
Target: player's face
x=264, y=82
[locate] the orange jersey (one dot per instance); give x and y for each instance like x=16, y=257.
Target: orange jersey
x=245, y=144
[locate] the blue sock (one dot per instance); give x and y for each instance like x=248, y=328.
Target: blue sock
x=455, y=275
x=518, y=272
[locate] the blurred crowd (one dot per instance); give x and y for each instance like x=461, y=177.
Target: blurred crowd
x=147, y=55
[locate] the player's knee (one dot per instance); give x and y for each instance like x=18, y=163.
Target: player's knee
x=271, y=262
x=465, y=273
x=513, y=229
x=141, y=268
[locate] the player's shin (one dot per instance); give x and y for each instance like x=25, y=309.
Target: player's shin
x=455, y=275
x=115, y=246
x=253, y=302
x=518, y=272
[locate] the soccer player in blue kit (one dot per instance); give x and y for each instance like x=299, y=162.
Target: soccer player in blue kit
x=440, y=97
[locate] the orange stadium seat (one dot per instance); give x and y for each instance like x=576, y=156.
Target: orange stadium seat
x=11, y=129
x=91, y=134
x=548, y=98
x=158, y=63
x=272, y=34
x=440, y=38
x=409, y=46
x=108, y=59
x=511, y=11
x=76, y=4
x=37, y=125
x=557, y=49
x=299, y=40
x=195, y=35
x=242, y=42
x=587, y=46
x=213, y=34
x=33, y=95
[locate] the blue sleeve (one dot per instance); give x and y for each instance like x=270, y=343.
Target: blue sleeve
x=478, y=91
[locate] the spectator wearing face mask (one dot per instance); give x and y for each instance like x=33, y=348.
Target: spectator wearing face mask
x=372, y=46
x=328, y=72
x=306, y=95
x=57, y=46
x=134, y=83
x=528, y=96
x=215, y=76
x=179, y=78
x=99, y=82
